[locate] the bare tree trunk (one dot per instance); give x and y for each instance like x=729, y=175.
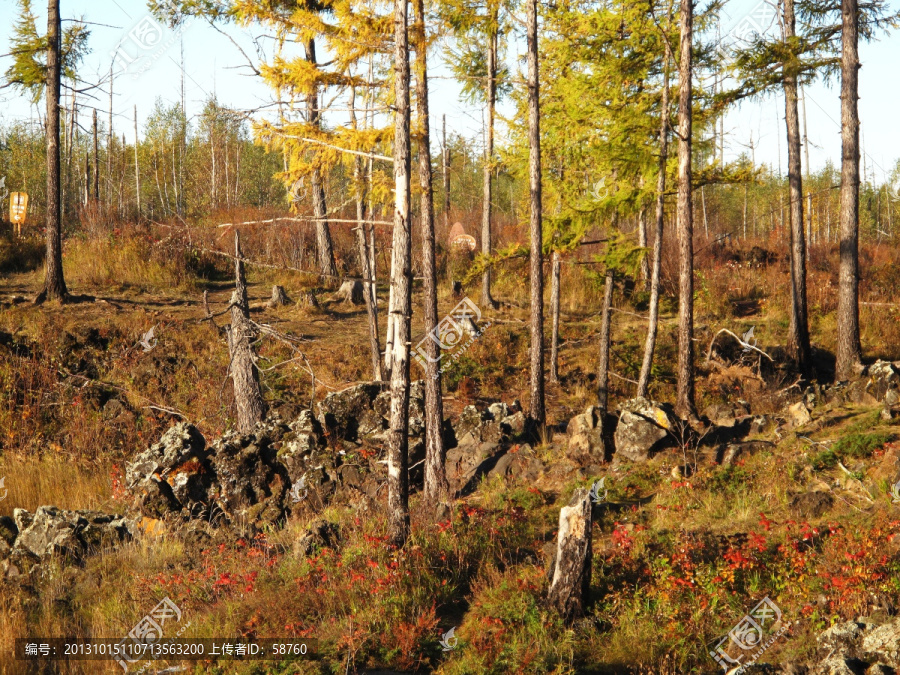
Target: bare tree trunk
x=490, y=96
x=554, y=311
x=437, y=489
x=361, y=190
x=685, y=397
x=572, y=569
x=849, y=349
x=248, y=399
x=54, y=283
x=445, y=161
x=324, y=245
x=401, y=282
x=95, y=191
x=642, y=242
x=650, y=344
x=137, y=167
x=798, y=331
x=537, y=413
x=603, y=368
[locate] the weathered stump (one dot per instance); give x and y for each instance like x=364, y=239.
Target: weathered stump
x=279, y=297
x=457, y=289
x=248, y=399
x=351, y=292
x=307, y=300
x=572, y=570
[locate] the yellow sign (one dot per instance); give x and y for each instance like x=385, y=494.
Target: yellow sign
x=18, y=205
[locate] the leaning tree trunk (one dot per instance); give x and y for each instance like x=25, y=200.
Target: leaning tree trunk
x=643, y=387
x=554, y=311
x=324, y=246
x=849, y=349
x=572, y=569
x=248, y=399
x=54, y=283
x=537, y=413
x=685, y=395
x=643, y=227
x=401, y=282
x=603, y=369
x=437, y=489
x=491, y=97
x=367, y=272
x=798, y=332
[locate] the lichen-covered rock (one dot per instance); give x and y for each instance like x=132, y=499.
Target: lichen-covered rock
x=249, y=483
x=643, y=428
x=179, y=459
x=883, y=380
x=71, y=534
x=350, y=413
x=585, y=437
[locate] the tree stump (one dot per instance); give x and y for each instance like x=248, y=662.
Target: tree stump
x=279, y=297
x=307, y=300
x=457, y=288
x=572, y=569
x=351, y=292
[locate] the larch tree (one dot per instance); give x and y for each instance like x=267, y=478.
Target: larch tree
x=685, y=404
x=849, y=347
x=537, y=413
x=437, y=489
x=479, y=29
x=38, y=67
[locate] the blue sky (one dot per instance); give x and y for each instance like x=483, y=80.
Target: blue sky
x=212, y=64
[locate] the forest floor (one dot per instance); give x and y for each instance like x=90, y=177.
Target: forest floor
x=685, y=550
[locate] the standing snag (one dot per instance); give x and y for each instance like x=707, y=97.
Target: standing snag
x=571, y=578
x=248, y=399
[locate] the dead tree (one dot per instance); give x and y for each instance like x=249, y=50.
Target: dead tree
x=603, y=369
x=554, y=312
x=248, y=399
x=571, y=578
x=401, y=287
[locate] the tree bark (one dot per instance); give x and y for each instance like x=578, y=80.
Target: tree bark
x=798, y=331
x=685, y=405
x=324, y=245
x=554, y=311
x=849, y=349
x=401, y=282
x=537, y=414
x=54, y=283
x=490, y=96
x=603, y=368
x=650, y=344
x=437, y=489
x=248, y=399
x=95, y=190
x=137, y=166
x=445, y=161
x=571, y=579
x=643, y=236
